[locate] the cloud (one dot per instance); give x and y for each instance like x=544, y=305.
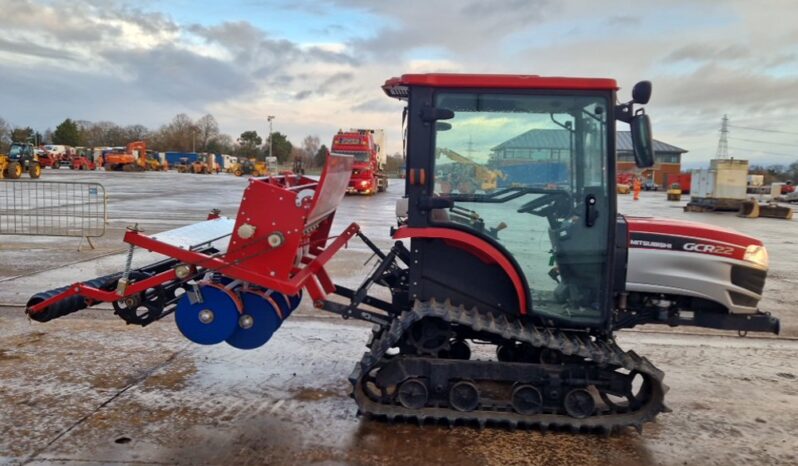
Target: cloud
x=707, y=52
x=178, y=75
x=27, y=48
x=460, y=27
x=335, y=81
x=382, y=105
x=616, y=21
x=324, y=70
x=717, y=89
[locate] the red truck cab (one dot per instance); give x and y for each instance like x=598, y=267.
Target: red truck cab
x=364, y=145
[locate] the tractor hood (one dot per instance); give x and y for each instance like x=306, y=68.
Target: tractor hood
x=678, y=235
x=695, y=230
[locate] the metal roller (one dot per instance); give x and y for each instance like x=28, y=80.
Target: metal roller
x=68, y=305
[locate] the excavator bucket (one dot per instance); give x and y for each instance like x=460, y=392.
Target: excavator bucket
x=227, y=280
x=753, y=209
x=749, y=209
x=775, y=211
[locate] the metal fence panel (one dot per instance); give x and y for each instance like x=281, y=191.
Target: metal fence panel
x=52, y=208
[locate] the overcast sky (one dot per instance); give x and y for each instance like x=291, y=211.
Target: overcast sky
x=318, y=65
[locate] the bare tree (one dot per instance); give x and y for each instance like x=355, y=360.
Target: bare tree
x=298, y=154
x=5, y=135
x=310, y=146
x=221, y=144
x=207, y=131
x=102, y=133
x=137, y=132
x=177, y=135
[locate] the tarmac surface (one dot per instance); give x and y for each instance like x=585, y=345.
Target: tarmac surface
x=87, y=389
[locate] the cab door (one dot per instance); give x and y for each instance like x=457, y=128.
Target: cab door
x=530, y=172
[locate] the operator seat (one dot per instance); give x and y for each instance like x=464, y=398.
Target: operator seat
x=403, y=205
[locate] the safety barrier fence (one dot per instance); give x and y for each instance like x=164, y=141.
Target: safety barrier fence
x=53, y=208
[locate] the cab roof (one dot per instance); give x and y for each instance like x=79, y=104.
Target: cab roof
x=398, y=87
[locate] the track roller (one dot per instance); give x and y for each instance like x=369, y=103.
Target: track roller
x=413, y=393
x=526, y=399
x=579, y=403
x=464, y=396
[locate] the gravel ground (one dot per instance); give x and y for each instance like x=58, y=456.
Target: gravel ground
x=89, y=390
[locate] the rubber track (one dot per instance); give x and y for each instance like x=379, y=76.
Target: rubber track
x=603, y=353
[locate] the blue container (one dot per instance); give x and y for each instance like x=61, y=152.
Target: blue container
x=173, y=158
x=533, y=173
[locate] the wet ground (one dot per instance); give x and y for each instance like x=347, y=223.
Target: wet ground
x=89, y=390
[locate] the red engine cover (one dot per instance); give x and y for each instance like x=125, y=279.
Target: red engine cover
x=680, y=235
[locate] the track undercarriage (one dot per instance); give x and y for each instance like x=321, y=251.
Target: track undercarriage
x=540, y=378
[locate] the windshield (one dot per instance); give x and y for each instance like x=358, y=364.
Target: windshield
x=16, y=150
x=522, y=169
x=359, y=155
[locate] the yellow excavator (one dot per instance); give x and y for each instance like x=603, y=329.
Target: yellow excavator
x=475, y=176
x=151, y=162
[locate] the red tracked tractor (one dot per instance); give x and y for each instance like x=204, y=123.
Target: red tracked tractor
x=541, y=272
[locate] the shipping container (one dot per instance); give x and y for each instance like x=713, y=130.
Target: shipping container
x=531, y=174
x=725, y=179
x=173, y=158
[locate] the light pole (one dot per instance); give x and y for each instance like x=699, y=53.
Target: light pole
x=269, y=119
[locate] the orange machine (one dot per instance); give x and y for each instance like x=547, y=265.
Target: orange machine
x=127, y=159
x=133, y=158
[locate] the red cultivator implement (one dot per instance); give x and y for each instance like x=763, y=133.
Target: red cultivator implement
x=239, y=292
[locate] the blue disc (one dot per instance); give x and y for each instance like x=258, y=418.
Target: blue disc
x=282, y=301
x=257, y=323
x=210, y=322
x=294, y=300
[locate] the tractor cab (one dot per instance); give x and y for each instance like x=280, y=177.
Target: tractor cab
x=21, y=151
x=510, y=192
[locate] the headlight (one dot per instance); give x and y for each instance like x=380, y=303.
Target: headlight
x=757, y=255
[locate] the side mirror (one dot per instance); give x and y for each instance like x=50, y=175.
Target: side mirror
x=430, y=114
x=641, y=93
x=642, y=140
